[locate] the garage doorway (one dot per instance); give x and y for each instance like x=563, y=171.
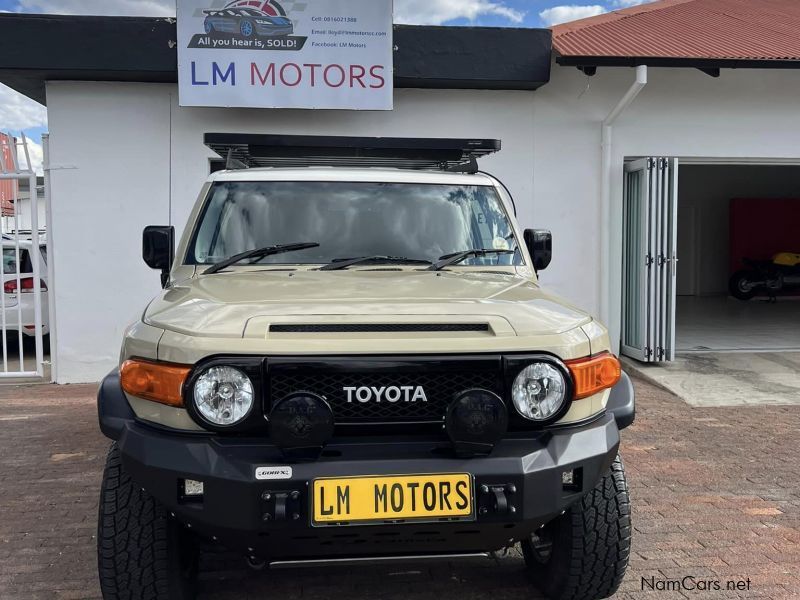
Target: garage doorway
x=728, y=213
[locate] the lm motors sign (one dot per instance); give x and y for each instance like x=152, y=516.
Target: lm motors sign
x=285, y=53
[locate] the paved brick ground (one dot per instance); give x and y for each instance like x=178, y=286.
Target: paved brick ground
x=716, y=495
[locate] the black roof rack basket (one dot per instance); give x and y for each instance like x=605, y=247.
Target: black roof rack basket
x=245, y=150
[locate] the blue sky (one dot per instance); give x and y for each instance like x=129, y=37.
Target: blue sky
x=525, y=13
x=18, y=113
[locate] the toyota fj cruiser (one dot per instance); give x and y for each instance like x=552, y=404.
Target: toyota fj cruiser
x=352, y=360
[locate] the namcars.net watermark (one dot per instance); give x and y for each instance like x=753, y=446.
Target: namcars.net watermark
x=691, y=583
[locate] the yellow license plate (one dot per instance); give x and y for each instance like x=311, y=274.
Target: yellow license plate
x=393, y=498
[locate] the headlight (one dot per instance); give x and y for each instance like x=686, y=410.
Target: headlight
x=539, y=391
x=223, y=395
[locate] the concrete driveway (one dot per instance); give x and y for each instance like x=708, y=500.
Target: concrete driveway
x=728, y=378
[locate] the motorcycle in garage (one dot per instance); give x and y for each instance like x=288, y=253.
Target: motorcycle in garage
x=768, y=277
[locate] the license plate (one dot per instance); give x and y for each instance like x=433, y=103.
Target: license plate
x=392, y=498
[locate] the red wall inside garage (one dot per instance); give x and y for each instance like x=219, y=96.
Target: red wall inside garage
x=761, y=227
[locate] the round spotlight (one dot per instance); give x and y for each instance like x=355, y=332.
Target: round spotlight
x=223, y=396
x=539, y=391
x=301, y=420
x=475, y=421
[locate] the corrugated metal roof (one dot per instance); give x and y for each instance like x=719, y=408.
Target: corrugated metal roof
x=749, y=30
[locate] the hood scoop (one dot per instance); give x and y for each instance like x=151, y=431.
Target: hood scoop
x=306, y=331
x=377, y=327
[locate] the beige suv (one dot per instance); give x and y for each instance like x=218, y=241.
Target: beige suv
x=350, y=362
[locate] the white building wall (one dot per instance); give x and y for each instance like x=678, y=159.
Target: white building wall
x=24, y=215
x=109, y=155
x=118, y=150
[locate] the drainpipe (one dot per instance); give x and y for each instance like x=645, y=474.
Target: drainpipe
x=605, y=189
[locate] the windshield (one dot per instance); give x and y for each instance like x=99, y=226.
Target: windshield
x=349, y=219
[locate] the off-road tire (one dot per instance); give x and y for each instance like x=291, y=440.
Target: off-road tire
x=591, y=544
x=736, y=291
x=142, y=554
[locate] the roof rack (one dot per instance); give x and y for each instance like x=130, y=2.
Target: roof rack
x=245, y=150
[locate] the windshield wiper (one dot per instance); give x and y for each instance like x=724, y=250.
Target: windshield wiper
x=343, y=263
x=456, y=257
x=258, y=253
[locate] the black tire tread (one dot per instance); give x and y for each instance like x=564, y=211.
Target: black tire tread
x=592, y=544
x=132, y=538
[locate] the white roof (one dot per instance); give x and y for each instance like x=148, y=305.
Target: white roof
x=346, y=174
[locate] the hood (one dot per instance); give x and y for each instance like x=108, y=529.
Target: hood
x=247, y=303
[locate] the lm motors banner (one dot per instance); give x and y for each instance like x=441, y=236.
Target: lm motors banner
x=285, y=53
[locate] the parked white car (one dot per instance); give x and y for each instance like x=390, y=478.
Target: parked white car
x=17, y=306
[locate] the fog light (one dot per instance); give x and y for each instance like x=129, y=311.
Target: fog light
x=475, y=421
x=572, y=480
x=301, y=424
x=192, y=487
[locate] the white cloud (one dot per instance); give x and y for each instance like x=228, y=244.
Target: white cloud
x=628, y=3
x=563, y=14
x=146, y=8
x=436, y=12
x=423, y=12
x=19, y=112
x=36, y=153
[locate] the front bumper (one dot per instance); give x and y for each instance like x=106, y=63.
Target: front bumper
x=519, y=485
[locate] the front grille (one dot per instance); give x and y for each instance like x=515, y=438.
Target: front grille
x=376, y=327
x=440, y=388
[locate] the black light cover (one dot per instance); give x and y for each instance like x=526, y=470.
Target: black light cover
x=301, y=424
x=475, y=421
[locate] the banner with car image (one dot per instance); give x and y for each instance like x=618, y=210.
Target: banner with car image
x=334, y=54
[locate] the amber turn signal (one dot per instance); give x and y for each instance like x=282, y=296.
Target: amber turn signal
x=594, y=374
x=159, y=382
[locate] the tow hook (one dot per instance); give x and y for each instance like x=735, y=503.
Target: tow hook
x=280, y=505
x=497, y=499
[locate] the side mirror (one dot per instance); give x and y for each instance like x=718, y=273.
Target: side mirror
x=540, y=247
x=158, y=248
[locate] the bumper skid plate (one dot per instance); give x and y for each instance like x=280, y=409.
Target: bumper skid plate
x=406, y=497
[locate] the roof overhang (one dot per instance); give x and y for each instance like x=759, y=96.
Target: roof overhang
x=587, y=63
x=41, y=48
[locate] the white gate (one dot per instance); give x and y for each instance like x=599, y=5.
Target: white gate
x=650, y=211
x=23, y=318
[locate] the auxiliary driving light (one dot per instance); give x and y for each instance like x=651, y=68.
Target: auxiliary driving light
x=191, y=487
x=572, y=480
x=223, y=396
x=539, y=391
x=475, y=421
x=301, y=424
